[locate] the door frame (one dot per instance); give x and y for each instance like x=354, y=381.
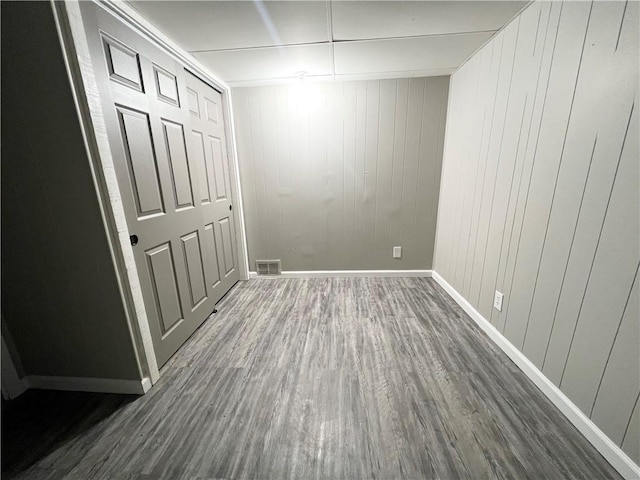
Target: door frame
x=85, y=90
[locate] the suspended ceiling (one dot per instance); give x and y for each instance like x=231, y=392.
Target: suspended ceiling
x=258, y=42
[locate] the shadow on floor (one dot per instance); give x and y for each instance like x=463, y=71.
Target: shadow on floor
x=41, y=421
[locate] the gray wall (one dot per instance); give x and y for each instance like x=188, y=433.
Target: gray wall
x=334, y=175
x=540, y=199
x=60, y=298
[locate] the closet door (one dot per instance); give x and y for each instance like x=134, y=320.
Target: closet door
x=169, y=205
x=210, y=153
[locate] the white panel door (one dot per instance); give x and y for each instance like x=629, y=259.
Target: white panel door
x=173, y=177
x=208, y=149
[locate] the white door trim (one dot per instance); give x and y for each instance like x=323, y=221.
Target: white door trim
x=82, y=78
x=86, y=96
x=609, y=450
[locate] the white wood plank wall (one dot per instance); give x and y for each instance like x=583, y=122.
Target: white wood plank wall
x=540, y=199
x=334, y=175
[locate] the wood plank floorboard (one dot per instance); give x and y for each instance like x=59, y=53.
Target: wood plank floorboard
x=382, y=378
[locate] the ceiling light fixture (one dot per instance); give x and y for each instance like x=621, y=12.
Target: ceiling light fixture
x=307, y=95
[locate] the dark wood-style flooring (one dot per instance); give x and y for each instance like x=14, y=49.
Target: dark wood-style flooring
x=319, y=378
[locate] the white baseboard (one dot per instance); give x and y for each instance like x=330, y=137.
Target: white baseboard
x=609, y=450
x=82, y=384
x=345, y=274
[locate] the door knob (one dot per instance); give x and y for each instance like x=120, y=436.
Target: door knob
x=230, y=207
x=134, y=240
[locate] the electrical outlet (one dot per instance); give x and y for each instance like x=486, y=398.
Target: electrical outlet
x=397, y=252
x=497, y=301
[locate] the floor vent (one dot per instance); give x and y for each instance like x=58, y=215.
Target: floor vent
x=268, y=267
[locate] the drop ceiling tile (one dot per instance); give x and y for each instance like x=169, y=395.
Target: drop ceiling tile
x=268, y=63
x=406, y=54
x=217, y=25
x=354, y=20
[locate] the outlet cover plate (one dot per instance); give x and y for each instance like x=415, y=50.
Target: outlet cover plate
x=397, y=252
x=497, y=301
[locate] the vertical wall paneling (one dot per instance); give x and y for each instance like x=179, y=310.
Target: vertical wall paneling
x=611, y=275
x=477, y=158
x=335, y=171
x=432, y=145
x=270, y=173
x=540, y=189
x=534, y=74
x=485, y=181
x=384, y=177
x=350, y=225
x=484, y=272
x=559, y=231
x=411, y=160
x=259, y=172
x=473, y=166
x=604, y=133
x=540, y=199
x=360, y=171
x=372, y=132
x=334, y=175
x=615, y=392
x=631, y=442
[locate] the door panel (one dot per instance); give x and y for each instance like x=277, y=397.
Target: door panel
x=219, y=170
x=166, y=174
x=165, y=287
x=166, y=86
x=195, y=269
x=201, y=160
x=123, y=63
x=213, y=262
x=194, y=103
x=227, y=247
x=212, y=109
x=177, y=154
x=141, y=159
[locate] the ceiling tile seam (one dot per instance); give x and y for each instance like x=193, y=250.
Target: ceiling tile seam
x=386, y=73
x=260, y=47
x=344, y=42
x=427, y=35
x=496, y=33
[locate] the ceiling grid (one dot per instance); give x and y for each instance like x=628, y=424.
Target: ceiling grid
x=256, y=42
